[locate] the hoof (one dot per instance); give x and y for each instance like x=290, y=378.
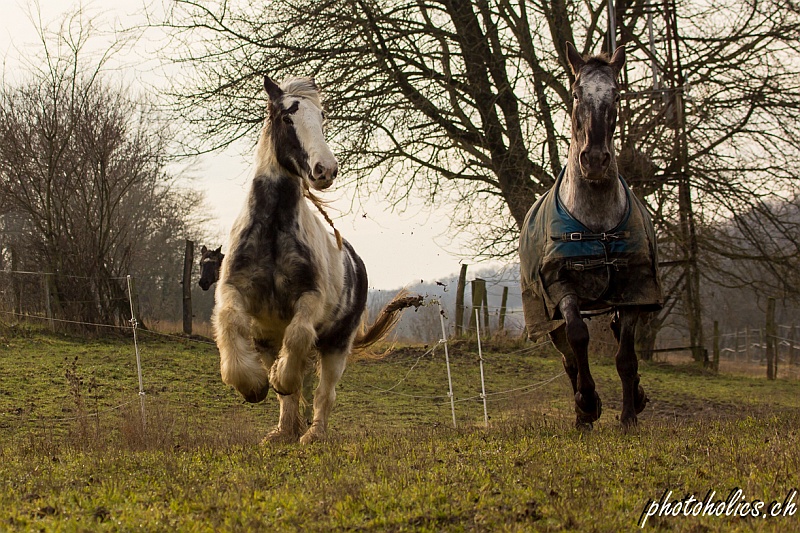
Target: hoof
x=283, y=380
x=641, y=400
x=586, y=412
x=629, y=423
x=276, y=436
x=582, y=425
x=314, y=434
x=255, y=396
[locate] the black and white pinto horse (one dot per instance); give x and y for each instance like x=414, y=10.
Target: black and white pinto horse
x=288, y=289
x=210, y=265
x=589, y=244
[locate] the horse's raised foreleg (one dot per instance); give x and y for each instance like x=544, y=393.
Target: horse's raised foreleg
x=559, y=338
x=299, y=338
x=588, y=407
x=633, y=397
x=332, y=366
x=239, y=363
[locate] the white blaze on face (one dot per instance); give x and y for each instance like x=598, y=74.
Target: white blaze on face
x=308, y=124
x=596, y=89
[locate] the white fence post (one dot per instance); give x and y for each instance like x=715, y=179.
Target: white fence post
x=480, y=359
x=447, y=362
x=134, y=324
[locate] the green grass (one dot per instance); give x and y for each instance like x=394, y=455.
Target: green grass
x=393, y=461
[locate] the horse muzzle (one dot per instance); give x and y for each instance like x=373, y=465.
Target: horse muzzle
x=594, y=163
x=323, y=174
x=321, y=184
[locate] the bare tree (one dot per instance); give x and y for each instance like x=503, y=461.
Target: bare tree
x=83, y=178
x=466, y=103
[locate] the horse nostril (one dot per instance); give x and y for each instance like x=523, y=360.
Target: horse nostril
x=606, y=159
x=584, y=158
x=319, y=170
x=334, y=173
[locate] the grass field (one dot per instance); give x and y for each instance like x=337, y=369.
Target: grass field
x=394, y=462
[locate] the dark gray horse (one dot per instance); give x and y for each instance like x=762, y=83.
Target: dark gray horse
x=210, y=263
x=588, y=245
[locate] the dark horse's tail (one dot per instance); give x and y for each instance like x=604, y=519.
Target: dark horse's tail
x=386, y=320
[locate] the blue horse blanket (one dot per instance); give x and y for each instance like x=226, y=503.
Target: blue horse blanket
x=560, y=256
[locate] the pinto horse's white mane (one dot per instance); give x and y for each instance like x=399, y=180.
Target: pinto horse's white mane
x=302, y=87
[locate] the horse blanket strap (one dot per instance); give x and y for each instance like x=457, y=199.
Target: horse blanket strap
x=580, y=236
x=560, y=256
x=588, y=264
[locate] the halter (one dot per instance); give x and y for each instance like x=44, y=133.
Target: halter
x=318, y=203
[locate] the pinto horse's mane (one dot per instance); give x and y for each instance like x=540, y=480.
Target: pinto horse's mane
x=302, y=87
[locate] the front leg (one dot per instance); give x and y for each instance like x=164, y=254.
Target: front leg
x=588, y=407
x=299, y=340
x=633, y=396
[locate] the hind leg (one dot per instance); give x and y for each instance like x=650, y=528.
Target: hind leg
x=308, y=395
x=299, y=339
x=240, y=364
x=332, y=366
x=290, y=423
x=588, y=407
x=633, y=397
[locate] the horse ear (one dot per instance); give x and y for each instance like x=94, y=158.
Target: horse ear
x=313, y=83
x=618, y=59
x=576, y=61
x=272, y=88
x=203, y=249
x=219, y=250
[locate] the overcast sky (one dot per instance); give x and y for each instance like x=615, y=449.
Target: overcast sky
x=398, y=249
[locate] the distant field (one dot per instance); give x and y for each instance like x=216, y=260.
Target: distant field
x=394, y=462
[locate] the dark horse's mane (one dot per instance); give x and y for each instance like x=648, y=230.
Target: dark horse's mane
x=600, y=60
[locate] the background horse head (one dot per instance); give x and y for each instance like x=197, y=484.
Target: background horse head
x=295, y=123
x=210, y=263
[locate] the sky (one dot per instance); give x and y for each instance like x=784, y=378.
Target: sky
x=398, y=249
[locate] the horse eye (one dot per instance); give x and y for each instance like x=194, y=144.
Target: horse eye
x=287, y=119
x=324, y=116
x=575, y=96
x=616, y=98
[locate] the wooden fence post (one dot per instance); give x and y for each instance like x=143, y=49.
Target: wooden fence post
x=485, y=304
x=188, y=261
x=715, y=361
x=462, y=283
x=501, y=321
x=770, y=333
x=747, y=344
x=48, y=309
x=793, y=340
x=478, y=295
x=736, y=345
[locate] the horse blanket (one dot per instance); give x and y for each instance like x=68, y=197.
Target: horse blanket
x=560, y=256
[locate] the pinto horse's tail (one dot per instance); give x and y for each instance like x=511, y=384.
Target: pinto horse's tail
x=386, y=320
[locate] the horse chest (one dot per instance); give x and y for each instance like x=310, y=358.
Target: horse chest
x=273, y=251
